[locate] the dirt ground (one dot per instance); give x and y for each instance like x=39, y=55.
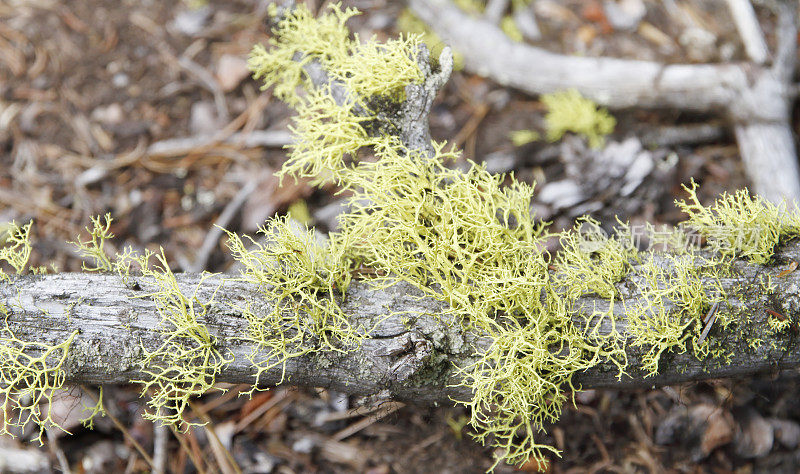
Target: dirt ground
x=94, y=94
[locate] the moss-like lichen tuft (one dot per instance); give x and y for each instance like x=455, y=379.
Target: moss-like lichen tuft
x=94, y=248
x=302, y=278
x=187, y=361
x=568, y=111
x=30, y=374
x=740, y=225
x=16, y=248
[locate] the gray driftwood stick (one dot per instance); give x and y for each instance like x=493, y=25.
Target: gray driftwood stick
x=755, y=98
x=409, y=360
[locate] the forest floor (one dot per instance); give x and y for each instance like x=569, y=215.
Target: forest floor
x=93, y=94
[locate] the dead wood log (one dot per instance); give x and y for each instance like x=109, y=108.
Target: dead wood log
x=410, y=355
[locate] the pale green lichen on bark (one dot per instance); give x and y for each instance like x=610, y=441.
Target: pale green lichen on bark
x=740, y=225
x=16, y=248
x=302, y=280
x=187, y=361
x=31, y=373
x=93, y=248
x=461, y=237
x=468, y=238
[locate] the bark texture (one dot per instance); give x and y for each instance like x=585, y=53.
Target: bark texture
x=410, y=355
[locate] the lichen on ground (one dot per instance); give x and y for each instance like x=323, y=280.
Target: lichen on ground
x=568, y=111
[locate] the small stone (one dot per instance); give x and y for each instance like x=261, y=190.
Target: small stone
x=701, y=428
x=111, y=114
x=561, y=194
x=304, y=445
x=624, y=15
x=787, y=432
x=263, y=463
x=500, y=162
x=101, y=457
x=120, y=80
x=191, y=22
x=203, y=120
x=14, y=459
x=586, y=397
x=754, y=436
x=230, y=71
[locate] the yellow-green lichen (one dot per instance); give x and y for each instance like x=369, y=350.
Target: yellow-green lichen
x=16, y=248
x=329, y=135
x=523, y=137
x=675, y=294
x=568, y=111
x=368, y=68
x=464, y=237
x=510, y=28
x=302, y=278
x=740, y=225
x=30, y=374
x=94, y=248
x=186, y=362
x=590, y=262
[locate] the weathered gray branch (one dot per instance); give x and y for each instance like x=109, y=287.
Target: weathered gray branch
x=410, y=355
x=755, y=98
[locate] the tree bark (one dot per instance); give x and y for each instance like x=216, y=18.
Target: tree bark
x=410, y=355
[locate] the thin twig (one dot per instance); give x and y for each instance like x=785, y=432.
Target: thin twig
x=58, y=452
x=198, y=464
x=282, y=396
x=220, y=451
x=385, y=410
x=749, y=30
x=222, y=221
x=159, y=448
x=122, y=428
x=183, y=146
x=711, y=316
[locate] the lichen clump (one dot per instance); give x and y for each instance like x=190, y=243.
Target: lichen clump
x=465, y=237
x=187, y=361
x=30, y=374
x=303, y=278
x=468, y=238
x=568, y=111
x=16, y=248
x=740, y=225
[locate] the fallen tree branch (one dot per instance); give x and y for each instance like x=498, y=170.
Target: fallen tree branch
x=411, y=353
x=755, y=98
